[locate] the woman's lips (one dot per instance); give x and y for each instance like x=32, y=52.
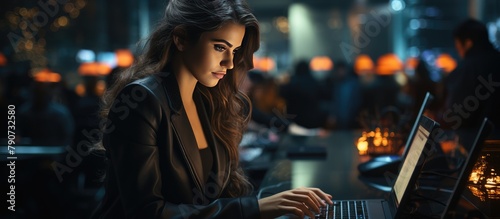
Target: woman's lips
x=219, y=75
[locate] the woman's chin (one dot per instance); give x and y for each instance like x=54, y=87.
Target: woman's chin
x=210, y=84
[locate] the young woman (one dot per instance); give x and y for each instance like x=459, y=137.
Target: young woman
x=174, y=120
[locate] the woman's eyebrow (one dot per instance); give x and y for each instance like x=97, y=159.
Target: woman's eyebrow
x=223, y=41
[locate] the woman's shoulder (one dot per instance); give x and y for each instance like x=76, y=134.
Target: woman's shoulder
x=150, y=82
x=155, y=89
x=153, y=83
x=139, y=88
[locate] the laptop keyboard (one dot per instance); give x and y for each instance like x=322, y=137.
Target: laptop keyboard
x=344, y=209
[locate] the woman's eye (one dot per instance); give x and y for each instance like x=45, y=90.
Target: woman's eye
x=235, y=51
x=219, y=48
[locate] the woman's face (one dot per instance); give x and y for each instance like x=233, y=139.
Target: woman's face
x=209, y=59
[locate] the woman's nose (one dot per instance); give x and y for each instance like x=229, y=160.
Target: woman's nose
x=228, y=61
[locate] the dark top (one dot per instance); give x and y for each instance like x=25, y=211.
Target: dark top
x=207, y=160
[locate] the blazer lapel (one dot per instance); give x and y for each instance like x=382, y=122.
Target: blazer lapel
x=221, y=161
x=183, y=131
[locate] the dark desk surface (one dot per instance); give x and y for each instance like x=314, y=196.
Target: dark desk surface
x=335, y=174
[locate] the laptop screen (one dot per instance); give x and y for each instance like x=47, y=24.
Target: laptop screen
x=410, y=163
x=477, y=143
x=428, y=98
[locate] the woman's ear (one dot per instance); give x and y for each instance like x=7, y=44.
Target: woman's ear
x=179, y=38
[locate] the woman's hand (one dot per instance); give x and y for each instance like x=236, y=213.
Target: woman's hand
x=299, y=201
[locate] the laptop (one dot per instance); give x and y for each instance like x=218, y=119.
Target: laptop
x=434, y=206
x=398, y=203
x=379, y=165
x=463, y=177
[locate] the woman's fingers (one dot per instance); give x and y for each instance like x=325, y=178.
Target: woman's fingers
x=323, y=196
x=305, y=200
x=318, y=195
x=311, y=195
x=294, y=210
x=299, y=208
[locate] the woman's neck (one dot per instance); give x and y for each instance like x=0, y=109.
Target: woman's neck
x=187, y=83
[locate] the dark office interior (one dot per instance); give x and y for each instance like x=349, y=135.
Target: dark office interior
x=339, y=92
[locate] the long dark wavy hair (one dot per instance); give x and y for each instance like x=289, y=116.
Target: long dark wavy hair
x=229, y=116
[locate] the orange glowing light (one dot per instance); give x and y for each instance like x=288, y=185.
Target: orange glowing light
x=3, y=60
x=265, y=64
x=388, y=64
x=411, y=63
x=321, y=63
x=94, y=69
x=446, y=62
x=363, y=64
x=124, y=58
x=80, y=90
x=47, y=76
x=362, y=146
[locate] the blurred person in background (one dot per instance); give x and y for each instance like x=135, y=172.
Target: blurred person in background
x=420, y=84
x=346, y=97
x=18, y=85
x=380, y=101
x=86, y=110
x=267, y=106
x=303, y=95
x=43, y=121
x=473, y=87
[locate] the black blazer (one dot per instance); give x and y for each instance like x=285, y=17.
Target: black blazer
x=154, y=167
